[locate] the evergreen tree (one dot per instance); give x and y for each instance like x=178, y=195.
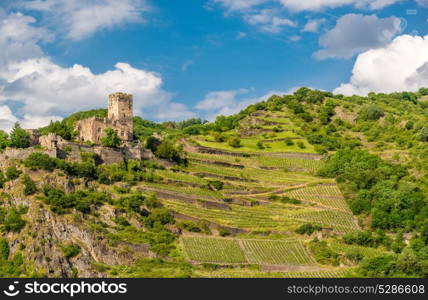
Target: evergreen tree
x=19, y=138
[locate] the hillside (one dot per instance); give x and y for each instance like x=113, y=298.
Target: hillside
x=304, y=185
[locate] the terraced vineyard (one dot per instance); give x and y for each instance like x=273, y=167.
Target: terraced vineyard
x=337, y=220
x=248, y=273
x=290, y=252
x=249, y=180
x=365, y=251
x=263, y=252
x=213, y=250
x=272, y=217
x=326, y=195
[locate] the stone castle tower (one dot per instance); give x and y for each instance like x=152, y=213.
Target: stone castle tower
x=119, y=118
x=120, y=107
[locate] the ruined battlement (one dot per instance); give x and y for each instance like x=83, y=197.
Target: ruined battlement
x=119, y=118
x=120, y=107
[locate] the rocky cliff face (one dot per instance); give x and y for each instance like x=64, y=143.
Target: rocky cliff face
x=45, y=233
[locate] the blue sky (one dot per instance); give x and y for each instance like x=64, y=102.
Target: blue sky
x=201, y=58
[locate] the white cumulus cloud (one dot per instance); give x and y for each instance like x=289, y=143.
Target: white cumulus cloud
x=399, y=66
x=82, y=18
x=7, y=118
x=46, y=90
x=355, y=33
x=313, y=25
x=315, y=5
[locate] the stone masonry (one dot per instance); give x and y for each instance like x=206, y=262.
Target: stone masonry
x=119, y=118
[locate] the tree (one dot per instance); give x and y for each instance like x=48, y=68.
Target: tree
x=111, y=139
x=371, y=113
x=4, y=140
x=19, y=138
x=167, y=150
x=423, y=134
x=235, y=142
x=423, y=91
x=152, y=143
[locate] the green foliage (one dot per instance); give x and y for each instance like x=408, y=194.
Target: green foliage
x=217, y=184
x=2, y=179
x=70, y=250
x=371, y=112
x=308, y=229
x=19, y=138
x=284, y=199
x=168, y=150
x=13, y=172
x=323, y=253
x=4, y=140
x=288, y=141
x=131, y=203
x=4, y=249
x=13, y=268
x=30, y=187
x=160, y=216
x=219, y=137
x=326, y=112
x=423, y=134
x=143, y=129
x=190, y=226
x=189, y=123
x=65, y=128
x=224, y=232
x=234, y=142
x=11, y=219
x=37, y=160
x=81, y=200
x=60, y=128
x=377, y=187
x=362, y=238
x=379, y=266
x=111, y=139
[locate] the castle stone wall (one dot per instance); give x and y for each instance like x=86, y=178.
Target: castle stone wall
x=120, y=114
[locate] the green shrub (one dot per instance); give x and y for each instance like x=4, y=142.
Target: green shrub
x=224, y=232
x=308, y=229
x=167, y=150
x=288, y=141
x=70, y=250
x=4, y=140
x=37, y=160
x=235, y=142
x=4, y=249
x=371, y=113
x=217, y=184
x=11, y=220
x=13, y=173
x=30, y=187
x=158, y=215
x=111, y=139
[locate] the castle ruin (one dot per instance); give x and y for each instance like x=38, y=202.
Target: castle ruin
x=119, y=118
